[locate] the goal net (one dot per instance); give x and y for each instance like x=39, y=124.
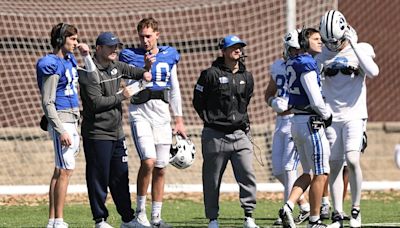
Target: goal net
x=193, y=27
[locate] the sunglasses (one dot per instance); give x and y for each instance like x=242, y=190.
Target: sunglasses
x=346, y=71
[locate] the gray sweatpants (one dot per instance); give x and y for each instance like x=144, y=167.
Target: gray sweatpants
x=218, y=148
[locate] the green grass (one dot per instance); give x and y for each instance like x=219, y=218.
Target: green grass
x=184, y=213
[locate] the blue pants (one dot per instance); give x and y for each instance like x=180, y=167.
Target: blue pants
x=107, y=166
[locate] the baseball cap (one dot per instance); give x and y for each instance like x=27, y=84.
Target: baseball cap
x=108, y=39
x=230, y=40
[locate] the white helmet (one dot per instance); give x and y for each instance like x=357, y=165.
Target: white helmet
x=332, y=27
x=181, y=154
x=291, y=39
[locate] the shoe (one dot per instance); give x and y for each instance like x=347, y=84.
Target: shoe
x=337, y=219
x=324, y=212
x=278, y=222
x=50, y=224
x=345, y=216
x=132, y=224
x=160, y=224
x=303, y=216
x=317, y=224
x=355, y=219
x=213, y=224
x=60, y=225
x=249, y=222
x=286, y=214
x=142, y=221
x=102, y=224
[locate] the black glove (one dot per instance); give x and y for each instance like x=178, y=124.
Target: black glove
x=328, y=122
x=364, y=142
x=43, y=123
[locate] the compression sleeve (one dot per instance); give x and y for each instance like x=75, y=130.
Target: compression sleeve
x=310, y=85
x=49, y=87
x=175, y=93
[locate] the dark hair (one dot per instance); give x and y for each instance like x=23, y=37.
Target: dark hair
x=59, y=32
x=304, y=35
x=148, y=22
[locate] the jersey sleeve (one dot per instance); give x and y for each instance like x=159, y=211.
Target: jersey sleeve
x=309, y=64
x=277, y=68
x=131, y=57
x=367, y=49
x=48, y=66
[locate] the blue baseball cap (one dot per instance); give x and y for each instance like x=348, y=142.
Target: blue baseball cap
x=231, y=40
x=108, y=39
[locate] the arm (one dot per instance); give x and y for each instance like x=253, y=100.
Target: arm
x=176, y=103
x=364, y=52
x=310, y=85
x=49, y=88
x=200, y=95
x=131, y=72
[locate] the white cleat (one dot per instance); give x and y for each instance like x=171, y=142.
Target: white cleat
x=103, y=224
x=355, y=218
x=60, y=225
x=286, y=214
x=142, y=221
x=213, y=224
x=249, y=223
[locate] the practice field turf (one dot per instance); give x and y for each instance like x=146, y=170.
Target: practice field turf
x=379, y=209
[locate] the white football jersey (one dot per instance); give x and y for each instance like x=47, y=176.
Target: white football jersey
x=345, y=95
x=278, y=74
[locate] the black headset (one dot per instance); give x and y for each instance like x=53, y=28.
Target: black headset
x=303, y=39
x=221, y=43
x=61, y=35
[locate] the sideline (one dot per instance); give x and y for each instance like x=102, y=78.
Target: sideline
x=225, y=187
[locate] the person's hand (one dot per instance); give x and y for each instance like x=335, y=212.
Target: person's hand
x=279, y=104
x=147, y=76
x=83, y=49
x=149, y=59
x=65, y=140
x=351, y=35
x=179, y=127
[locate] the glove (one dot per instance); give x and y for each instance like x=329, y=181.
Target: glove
x=43, y=123
x=364, y=142
x=351, y=35
x=279, y=104
x=328, y=122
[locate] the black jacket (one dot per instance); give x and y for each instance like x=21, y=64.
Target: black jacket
x=102, y=109
x=221, y=97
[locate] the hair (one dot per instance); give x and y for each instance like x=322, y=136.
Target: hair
x=148, y=22
x=305, y=35
x=61, y=31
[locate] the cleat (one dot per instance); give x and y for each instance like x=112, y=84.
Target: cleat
x=278, y=222
x=141, y=220
x=337, y=219
x=285, y=213
x=60, y=225
x=317, y=224
x=249, y=222
x=160, y=224
x=303, y=216
x=213, y=224
x=355, y=219
x=324, y=212
x=102, y=224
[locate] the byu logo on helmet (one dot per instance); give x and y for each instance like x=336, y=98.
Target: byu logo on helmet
x=182, y=152
x=332, y=27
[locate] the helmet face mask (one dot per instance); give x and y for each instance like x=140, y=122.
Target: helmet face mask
x=182, y=152
x=332, y=28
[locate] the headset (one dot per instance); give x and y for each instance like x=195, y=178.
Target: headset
x=303, y=39
x=221, y=43
x=61, y=35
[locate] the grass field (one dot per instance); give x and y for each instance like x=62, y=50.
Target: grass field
x=379, y=209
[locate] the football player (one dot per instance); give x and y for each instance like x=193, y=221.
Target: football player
x=57, y=80
x=284, y=156
x=346, y=64
x=150, y=116
x=310, y=119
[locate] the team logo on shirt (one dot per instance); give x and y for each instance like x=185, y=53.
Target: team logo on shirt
x=114, y=71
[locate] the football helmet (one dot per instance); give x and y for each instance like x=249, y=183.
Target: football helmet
x=291, y=39
x=332, y=27
x=182, y=152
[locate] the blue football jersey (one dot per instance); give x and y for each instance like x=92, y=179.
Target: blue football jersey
x=295, y=67
x=166, y=58
x=66, y=68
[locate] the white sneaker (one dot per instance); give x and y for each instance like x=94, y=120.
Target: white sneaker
x=325, y=211
x=50, y=224
x=285, y=213
x=142, y=221
x=355, y=219
x=102, y=224
x=278, y=222
x=60, y=225
x=213, y=224
x=249, y=223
